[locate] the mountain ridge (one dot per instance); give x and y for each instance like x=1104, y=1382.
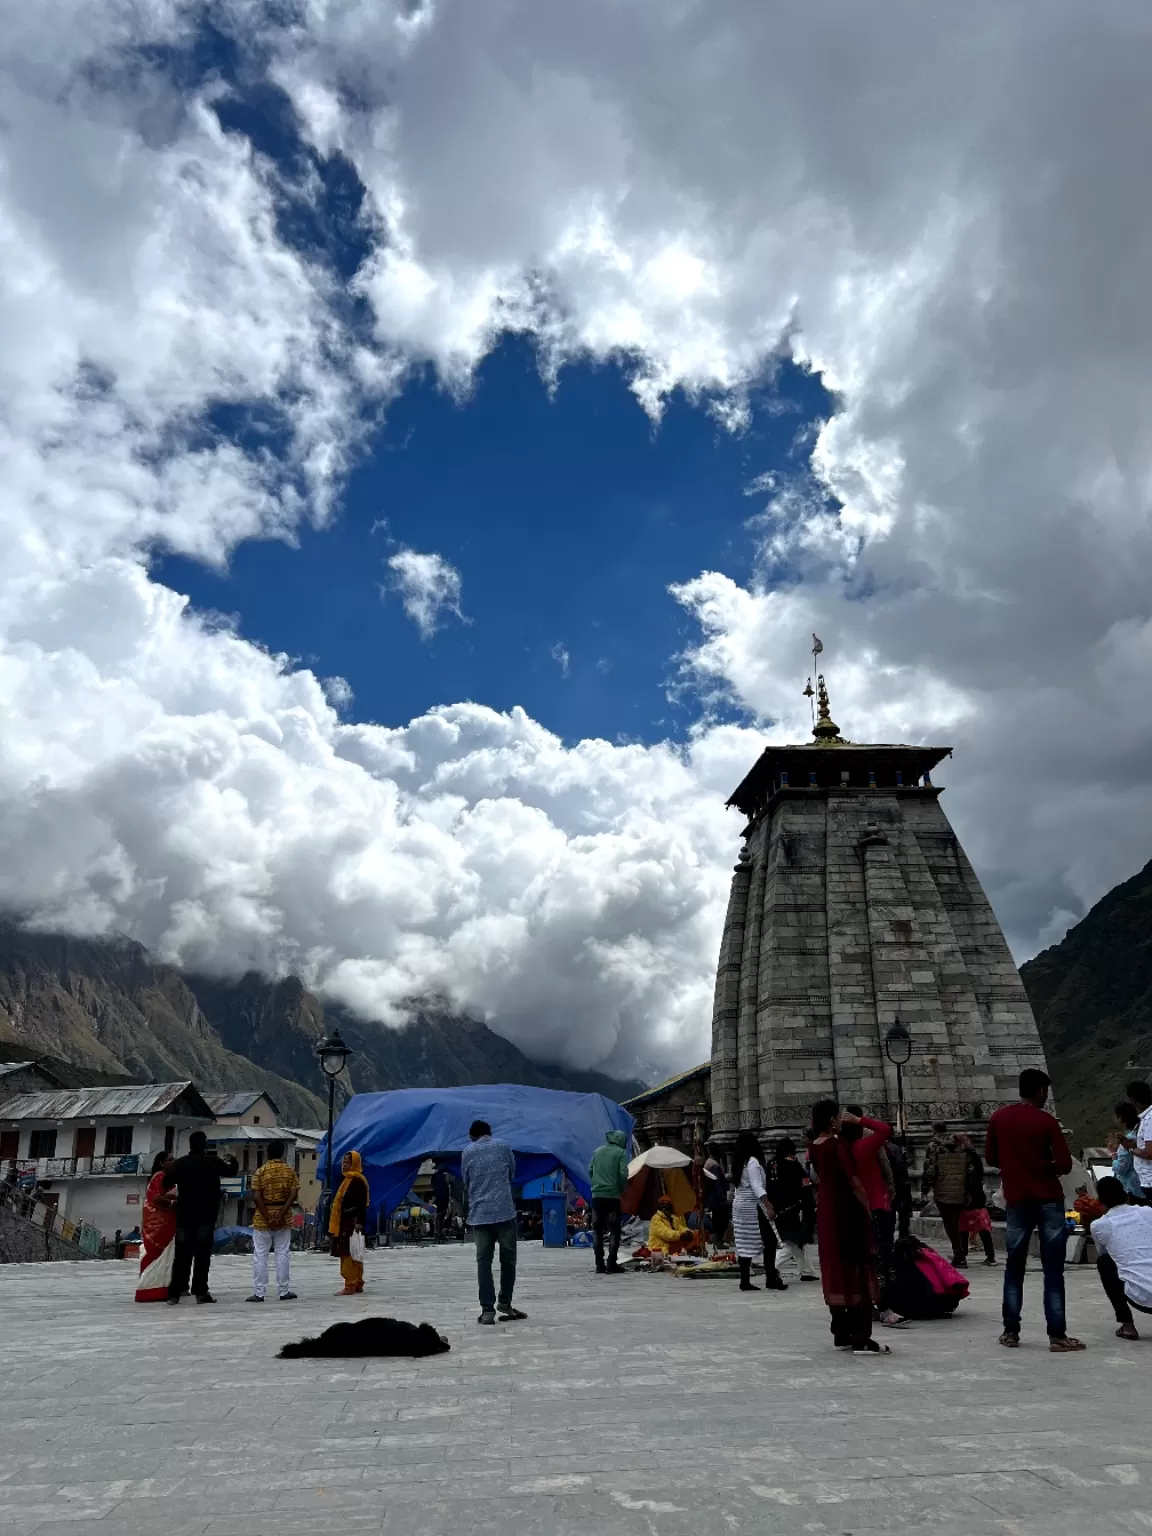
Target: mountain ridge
x=107, y=1007
x=1092, y=998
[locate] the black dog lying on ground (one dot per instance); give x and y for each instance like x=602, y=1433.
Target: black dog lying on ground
x=382, y=1336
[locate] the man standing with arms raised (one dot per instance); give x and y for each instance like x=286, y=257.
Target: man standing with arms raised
x=196, y=1180
x=1028, y=1146
x=488, y=1167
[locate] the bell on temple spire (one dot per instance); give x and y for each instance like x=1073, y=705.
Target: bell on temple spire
x=825, y=728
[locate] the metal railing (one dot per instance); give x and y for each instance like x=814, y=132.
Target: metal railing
x=88, y=1240
x=81, y=1167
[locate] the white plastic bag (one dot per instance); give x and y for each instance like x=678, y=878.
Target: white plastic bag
x=356, y=1248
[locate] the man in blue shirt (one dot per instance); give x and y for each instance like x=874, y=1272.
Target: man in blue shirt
x=488, y=1167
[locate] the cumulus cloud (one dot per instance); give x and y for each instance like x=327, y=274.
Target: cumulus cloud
x=940, y=210
x=428, y=586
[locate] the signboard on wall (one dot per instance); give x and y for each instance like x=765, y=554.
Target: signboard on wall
x=133, y=1200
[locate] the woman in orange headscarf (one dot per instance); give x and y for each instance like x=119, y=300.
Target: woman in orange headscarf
x=349, y=1210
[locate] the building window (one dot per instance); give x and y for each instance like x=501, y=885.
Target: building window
x=255, y=1119
x=902, y=932
x=117, y=1141
x=42, y=1144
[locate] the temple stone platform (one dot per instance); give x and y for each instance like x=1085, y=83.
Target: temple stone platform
x=635, y=1405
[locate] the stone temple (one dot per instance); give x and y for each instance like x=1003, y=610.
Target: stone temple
x=853, y=907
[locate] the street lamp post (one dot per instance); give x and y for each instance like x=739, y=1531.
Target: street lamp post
x=898, y=1049
x=332, y=1053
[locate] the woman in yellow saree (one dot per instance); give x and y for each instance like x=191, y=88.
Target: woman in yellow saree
x=349, y=1210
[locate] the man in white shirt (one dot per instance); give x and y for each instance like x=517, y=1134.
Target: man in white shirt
x=1140, y=1145
x=1123, y=1238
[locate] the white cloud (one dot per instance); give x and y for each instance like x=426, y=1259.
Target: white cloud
x=941, y=210
x=429, y=587
x=561, y=657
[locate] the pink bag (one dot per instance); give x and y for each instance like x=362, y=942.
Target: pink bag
x=944, y=1278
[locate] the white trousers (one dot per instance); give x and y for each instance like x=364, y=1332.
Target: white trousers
x=800, y=1256
x=262, y=1242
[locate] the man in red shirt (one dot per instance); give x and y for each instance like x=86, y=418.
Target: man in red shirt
x=1028, y=1147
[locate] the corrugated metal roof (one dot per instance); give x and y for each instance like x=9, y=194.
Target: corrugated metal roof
x=14, y=1066
x=233, y=1103
x=667, y=1085
x=89, y=1103
x=250, y=1133
x=301, y=1134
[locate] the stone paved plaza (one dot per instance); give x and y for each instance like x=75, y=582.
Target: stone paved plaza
x=637, y=1405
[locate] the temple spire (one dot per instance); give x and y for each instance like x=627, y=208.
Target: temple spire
x=825, y=728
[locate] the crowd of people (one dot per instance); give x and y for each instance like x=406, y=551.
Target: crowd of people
x=849, y=1196
x=853, y=1195
x=178, y=1225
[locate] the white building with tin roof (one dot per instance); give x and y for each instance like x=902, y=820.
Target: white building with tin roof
x=90, y=1151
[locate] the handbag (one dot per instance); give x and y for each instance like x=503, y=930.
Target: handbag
x=357, y=1248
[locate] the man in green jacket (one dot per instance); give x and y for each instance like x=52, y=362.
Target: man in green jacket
x=608, y=1172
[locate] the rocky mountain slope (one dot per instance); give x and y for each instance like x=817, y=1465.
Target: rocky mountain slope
x=107, y=1008
x=1092, y=997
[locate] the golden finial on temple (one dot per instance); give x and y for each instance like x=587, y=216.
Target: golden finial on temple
x=825, y=728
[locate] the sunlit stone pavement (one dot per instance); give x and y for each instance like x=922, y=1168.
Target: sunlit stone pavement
x=632, y=1404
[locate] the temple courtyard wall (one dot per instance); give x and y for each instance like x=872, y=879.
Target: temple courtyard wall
x=638, y=1405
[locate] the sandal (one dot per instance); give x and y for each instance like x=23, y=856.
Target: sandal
x=1066, y=1345
x=1010, y=1340
x=1127, y=1331
x=870, y=1347
x=509, y=1314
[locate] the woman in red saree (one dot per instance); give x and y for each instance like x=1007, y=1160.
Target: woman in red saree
x=844, y=1233
x=158, y=1234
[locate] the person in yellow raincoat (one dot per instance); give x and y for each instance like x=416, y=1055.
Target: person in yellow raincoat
x=349, y=1209
x=669, y=1233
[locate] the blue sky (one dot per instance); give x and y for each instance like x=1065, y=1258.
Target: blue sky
x=567, y=514
x=226, y=249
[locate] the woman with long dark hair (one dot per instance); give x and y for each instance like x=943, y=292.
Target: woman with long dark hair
x=158, y=1233
x=844, y=1234
x=751, y=1215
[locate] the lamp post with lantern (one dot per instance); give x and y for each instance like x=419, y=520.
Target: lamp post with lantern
x=898, y=1049
x=332, y=1053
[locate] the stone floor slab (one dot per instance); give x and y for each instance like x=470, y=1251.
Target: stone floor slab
x=631, y=1404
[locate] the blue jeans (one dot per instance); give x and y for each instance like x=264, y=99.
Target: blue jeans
x=1022, y=1221
x=487, y=1237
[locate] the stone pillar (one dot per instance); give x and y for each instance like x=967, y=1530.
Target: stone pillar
x=747, y=1045
x=725, y=1091
x=904, y=939
x=853, y=1010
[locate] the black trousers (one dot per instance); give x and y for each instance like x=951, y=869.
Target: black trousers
x=851, y=1325
x=903, y=1215
x=192, y=1257
x=768, y=1238
x=605, y=1214
x=1114, y=1290
x=884, y=1226
x=950, y=1215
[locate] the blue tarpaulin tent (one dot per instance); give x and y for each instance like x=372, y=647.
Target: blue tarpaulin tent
x=395, y=1132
